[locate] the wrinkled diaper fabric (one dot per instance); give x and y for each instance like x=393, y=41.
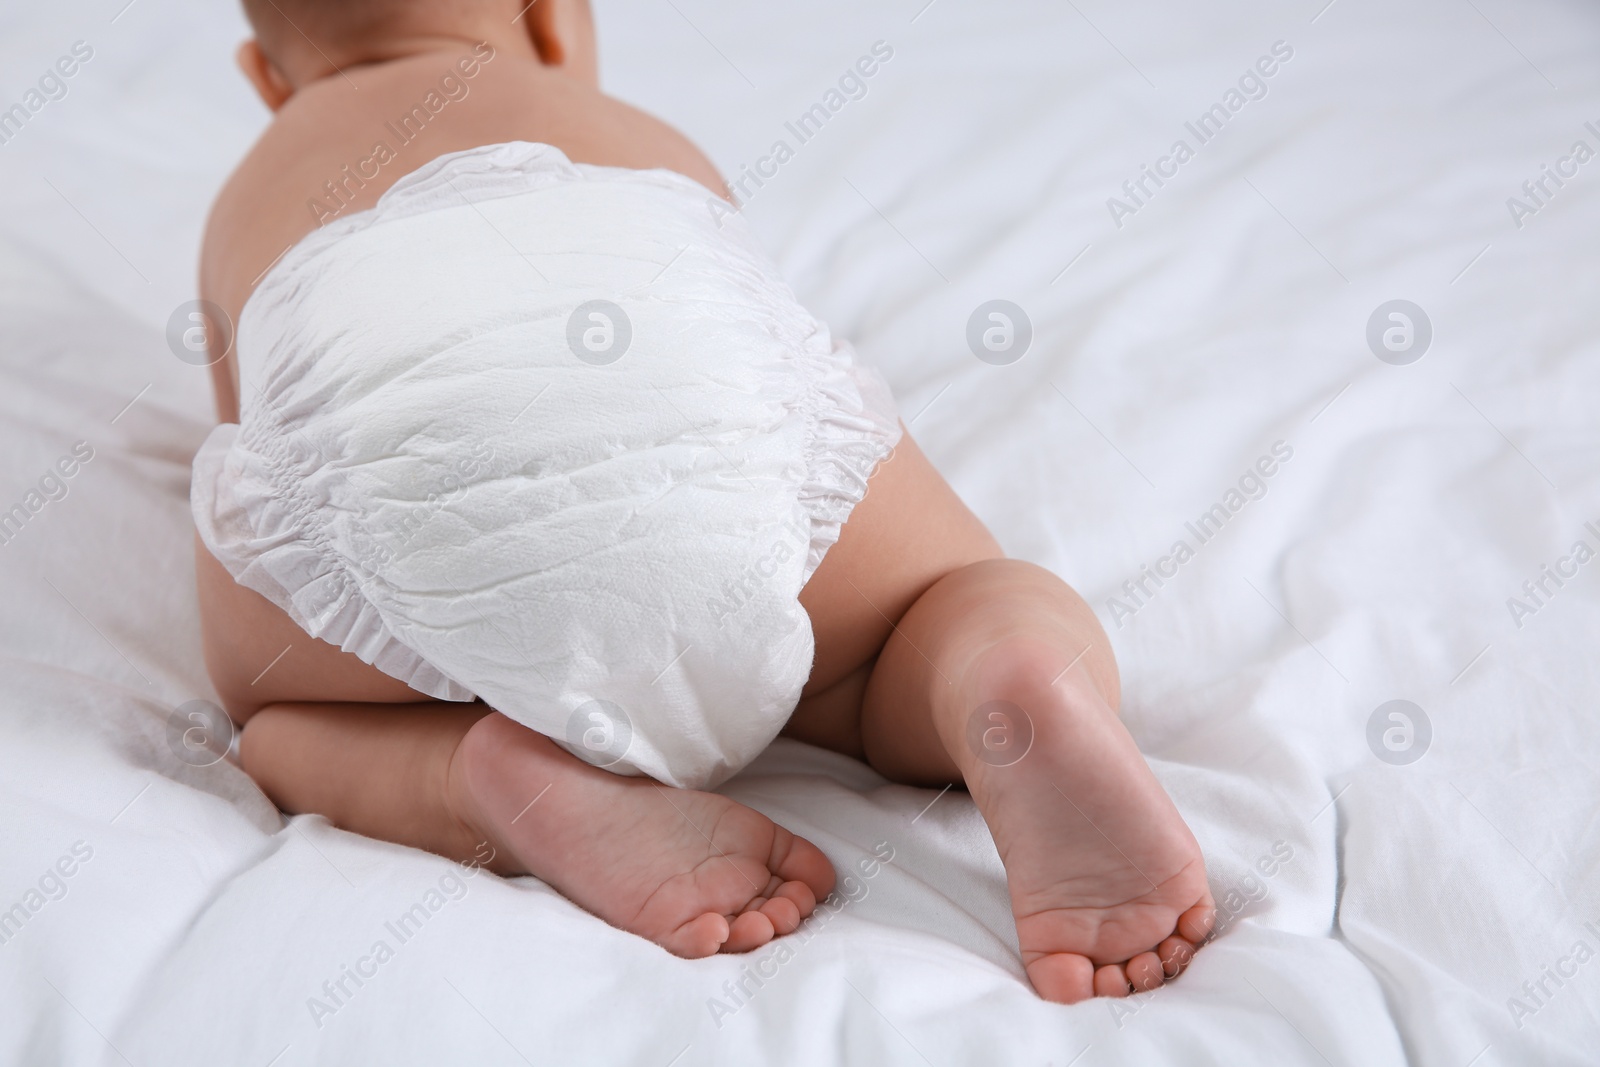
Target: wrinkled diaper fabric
x=553, y=436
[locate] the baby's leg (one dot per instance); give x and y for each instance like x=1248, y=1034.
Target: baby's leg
x=992, y=676
x=695, y=872
x=998, y=675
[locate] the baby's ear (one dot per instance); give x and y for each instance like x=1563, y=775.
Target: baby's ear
x=270, y=84
x=562, y=33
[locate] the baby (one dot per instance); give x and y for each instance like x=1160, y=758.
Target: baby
x=457, y=613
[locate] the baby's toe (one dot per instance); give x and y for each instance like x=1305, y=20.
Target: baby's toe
x=750, y=930
x=1144, y=972
x=804, y=900
x=1175, y=955
x=1196, y=924
x=1062, y=977
x=1110, y=981
x=794, y=859
x=699, y=937
x=783, y=914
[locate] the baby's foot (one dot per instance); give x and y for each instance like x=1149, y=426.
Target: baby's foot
x=1107, y=883
x=694, y=872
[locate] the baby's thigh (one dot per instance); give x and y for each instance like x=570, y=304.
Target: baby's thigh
x=910, y=530
x=256, y=655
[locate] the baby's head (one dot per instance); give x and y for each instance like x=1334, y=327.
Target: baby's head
x=301, y=41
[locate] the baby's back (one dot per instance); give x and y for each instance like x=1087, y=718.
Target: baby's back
x=339, y=144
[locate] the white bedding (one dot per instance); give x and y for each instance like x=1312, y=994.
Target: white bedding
x=1375, y=913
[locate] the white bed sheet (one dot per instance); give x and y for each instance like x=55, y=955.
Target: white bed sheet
x=1227, y=313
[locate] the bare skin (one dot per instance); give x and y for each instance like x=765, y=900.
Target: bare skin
x=920, y=622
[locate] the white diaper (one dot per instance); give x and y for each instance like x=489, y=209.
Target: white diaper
x=445, y=467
